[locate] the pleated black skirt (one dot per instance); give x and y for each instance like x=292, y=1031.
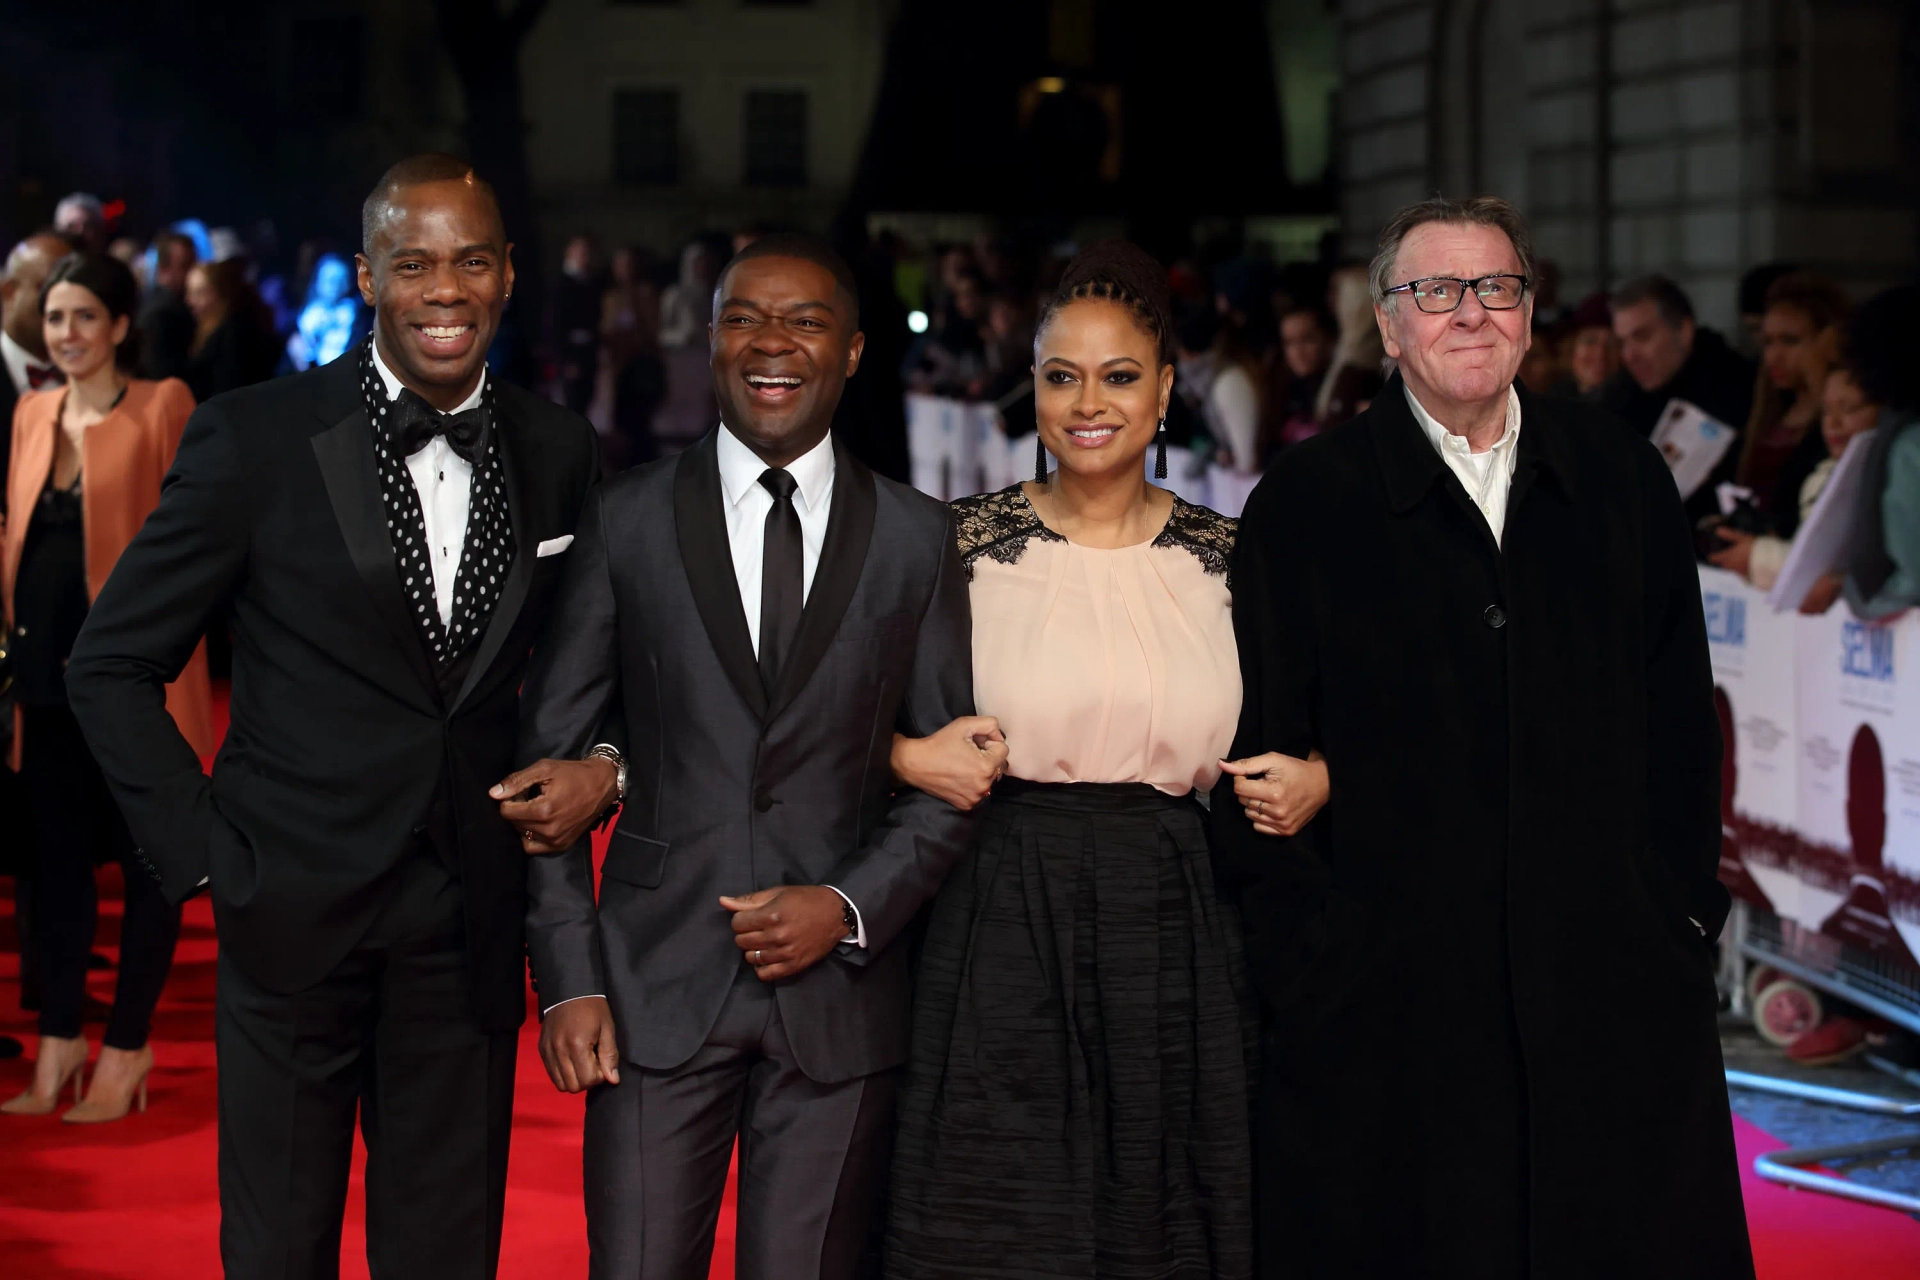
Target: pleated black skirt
x=1076, y=1103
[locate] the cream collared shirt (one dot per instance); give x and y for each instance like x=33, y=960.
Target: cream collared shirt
x=1487, y=476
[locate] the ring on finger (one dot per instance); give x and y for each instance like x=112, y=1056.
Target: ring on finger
x=756, y=957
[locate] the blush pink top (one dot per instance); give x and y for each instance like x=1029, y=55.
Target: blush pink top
x=1103, y=665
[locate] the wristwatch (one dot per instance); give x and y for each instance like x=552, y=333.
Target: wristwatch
x=850, y=918
x=610, y=753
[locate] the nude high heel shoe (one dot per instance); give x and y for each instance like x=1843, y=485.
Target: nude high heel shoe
x=119, y=1085
x=62, y=1058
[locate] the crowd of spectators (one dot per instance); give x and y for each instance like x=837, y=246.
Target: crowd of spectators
x=1270, y=355
x=1807, y=374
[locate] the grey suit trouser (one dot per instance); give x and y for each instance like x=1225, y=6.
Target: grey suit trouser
x=812, y=1157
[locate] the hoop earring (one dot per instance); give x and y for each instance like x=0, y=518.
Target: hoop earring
x=1160, y=452
x=1039, y=458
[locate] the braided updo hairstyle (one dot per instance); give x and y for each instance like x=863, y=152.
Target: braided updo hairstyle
x=1122, y=272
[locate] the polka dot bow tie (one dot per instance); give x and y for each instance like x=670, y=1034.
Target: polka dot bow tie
x=416, y=423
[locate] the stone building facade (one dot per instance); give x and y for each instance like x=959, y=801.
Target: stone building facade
x=1692, y=137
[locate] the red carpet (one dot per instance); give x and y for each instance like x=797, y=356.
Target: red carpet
x=138, y=1199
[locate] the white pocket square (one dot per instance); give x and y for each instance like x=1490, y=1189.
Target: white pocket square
x=553, y=546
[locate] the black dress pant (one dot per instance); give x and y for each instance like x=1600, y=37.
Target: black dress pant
x=76, y=825
x=389, y=1035
x=812, y=1157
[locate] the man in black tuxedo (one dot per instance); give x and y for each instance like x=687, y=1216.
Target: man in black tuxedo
x=761, y=613
x=381, y=536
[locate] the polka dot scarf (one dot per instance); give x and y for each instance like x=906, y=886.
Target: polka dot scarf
x=488, y=549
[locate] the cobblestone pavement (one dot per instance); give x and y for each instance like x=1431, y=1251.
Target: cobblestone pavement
x=1812, y=1124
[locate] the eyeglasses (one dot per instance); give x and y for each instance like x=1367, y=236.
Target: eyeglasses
x=1438, y=295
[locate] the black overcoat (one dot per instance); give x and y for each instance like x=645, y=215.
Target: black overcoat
x=1490, y=1045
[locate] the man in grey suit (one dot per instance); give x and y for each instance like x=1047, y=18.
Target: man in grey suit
x=758, y=616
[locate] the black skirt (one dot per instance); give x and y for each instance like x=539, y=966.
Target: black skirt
x=1076, y=1101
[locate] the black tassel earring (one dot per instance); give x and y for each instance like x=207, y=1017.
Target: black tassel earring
x=1160, y=453
x=1039, y=459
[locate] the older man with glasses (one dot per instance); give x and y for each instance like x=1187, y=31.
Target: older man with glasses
x=1486, y=968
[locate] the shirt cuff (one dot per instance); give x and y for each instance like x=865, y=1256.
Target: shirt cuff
x=858, y=938
x=595, y=995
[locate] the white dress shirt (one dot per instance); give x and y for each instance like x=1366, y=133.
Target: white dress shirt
x=747, y=502
x=1486, y=476
x=18, y=360
x=444, y=481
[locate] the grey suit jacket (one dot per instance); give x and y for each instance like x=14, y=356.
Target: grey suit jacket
x=729, y=789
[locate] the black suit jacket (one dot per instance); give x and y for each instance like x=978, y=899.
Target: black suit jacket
x=341, y=740
x=730, y=790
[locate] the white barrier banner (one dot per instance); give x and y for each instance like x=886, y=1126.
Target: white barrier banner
x=1820, y=803
x=942, y=446
x=1752, y=649
x=1858, y=692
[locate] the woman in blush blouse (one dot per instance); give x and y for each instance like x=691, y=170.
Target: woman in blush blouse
x=1076, y=1100
x=87, y=463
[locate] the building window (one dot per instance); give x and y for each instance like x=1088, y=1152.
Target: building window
x=646, y=136
x=325, y=67
x=776, y=138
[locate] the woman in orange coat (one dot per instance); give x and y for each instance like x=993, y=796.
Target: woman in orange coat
x=86, y=468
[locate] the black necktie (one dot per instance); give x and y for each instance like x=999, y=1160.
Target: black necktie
x=782, y=578
x=416, y=423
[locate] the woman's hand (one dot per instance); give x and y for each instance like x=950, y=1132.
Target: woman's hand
x=1821, y=595
x=1280, y=793
x=1737, y=555
x=959, y=763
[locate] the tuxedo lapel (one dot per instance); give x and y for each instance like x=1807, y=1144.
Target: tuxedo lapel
x=843, y=556
x=513, y=594
x=344, y=453
x=700, y=525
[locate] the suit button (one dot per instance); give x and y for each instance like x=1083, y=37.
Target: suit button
x=1495, y=616
x=762, y=801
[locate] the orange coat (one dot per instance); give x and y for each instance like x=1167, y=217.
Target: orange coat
x=123, y=458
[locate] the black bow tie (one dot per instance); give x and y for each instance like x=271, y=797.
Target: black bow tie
x=416, y=423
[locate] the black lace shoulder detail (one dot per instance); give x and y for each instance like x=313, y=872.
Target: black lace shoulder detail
x=998, y=526
x=1206, y=534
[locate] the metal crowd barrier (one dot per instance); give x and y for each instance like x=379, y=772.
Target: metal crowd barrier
x=1889, y=991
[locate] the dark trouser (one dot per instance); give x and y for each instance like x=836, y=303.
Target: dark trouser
x=812, y=1157
x=77, y=824
x=389, y=1033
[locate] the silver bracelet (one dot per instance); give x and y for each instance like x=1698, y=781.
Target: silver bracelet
x=611, y=754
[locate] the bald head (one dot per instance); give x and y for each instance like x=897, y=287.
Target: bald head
x=20, y=281
x=427, y=169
